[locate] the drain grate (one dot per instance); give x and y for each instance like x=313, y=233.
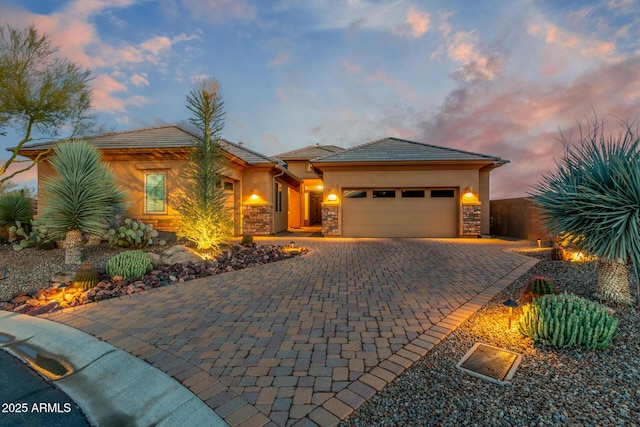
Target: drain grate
x=490, y=363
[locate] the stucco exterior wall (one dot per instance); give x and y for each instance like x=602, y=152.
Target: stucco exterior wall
x=130, y=174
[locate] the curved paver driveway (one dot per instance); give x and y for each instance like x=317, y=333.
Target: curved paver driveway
x=306, y=340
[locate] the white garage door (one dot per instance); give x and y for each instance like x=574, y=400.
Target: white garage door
x=408, y=212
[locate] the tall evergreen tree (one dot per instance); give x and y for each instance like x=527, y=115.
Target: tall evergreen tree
x=205, y=218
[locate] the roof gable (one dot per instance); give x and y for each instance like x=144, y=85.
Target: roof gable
x=402, y=150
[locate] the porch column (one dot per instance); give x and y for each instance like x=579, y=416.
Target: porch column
x=257, y=219
x=330, y=219
x=471, y=219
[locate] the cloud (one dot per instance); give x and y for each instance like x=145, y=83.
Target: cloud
x=140, y=80
x=104, y=88
x=280, y=59
x=418, y=21
x=220, y=10
x=394, y=17
x=461, y=48
x=572, y=43
x=519, y=119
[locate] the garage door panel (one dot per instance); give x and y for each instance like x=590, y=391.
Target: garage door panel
x=400, y=217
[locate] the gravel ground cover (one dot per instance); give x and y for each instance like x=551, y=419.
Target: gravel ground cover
x=551, y=387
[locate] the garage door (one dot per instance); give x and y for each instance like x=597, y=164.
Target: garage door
x=408, y=212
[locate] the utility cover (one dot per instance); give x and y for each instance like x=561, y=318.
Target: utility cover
x=490, y=363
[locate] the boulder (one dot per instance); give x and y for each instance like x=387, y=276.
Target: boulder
x=180, y=255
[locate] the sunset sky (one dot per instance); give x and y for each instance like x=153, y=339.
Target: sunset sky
x=494, y=77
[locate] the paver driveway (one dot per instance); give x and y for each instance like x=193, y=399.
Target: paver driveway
x=306, y=341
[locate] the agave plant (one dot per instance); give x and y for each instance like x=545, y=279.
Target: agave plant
x=594, y=199
x=82, y=198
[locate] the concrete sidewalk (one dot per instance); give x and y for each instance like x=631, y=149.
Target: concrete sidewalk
x=111, y=386
x=308, y=340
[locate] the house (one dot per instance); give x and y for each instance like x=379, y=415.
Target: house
x=149, y=162
x=397, y=188
x=390, y=187
x=305, y=206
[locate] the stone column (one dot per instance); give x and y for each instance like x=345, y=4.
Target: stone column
x=471, y=220
x=257, y=220
x=330, y=220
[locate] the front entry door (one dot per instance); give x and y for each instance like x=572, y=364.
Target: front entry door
x=315, y=208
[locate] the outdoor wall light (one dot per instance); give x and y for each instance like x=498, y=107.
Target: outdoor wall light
x=332, y=197
x=511, y=304
x=468, y=192
x=254, y=194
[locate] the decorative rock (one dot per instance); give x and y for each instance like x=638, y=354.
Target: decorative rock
x=180, y=255
x=63, y=277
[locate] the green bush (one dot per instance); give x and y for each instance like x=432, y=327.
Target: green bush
x=129, y=264
x=130, y=233
x=567, y=320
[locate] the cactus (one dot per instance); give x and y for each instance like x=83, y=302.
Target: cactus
x=130, y=233
x=557, y=253
x=536, y=287
x=567, y=320
x=247, y=240
x=86, y=277
x=129, y=264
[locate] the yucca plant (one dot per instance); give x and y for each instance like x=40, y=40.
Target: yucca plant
x=594, y=199
x=15, y=207
x=204, y=217
x=81, y=198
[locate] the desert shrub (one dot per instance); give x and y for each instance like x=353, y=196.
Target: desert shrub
x=129, y=264
x=40, y=236
x=567, y=320
x=131, y=233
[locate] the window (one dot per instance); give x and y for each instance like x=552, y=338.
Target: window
x=442, y=193
x=155, y=194
x=355, y=194
x=384, y=194
x=406, y=194
x=278, y=197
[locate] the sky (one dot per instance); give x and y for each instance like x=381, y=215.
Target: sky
x=502, y=78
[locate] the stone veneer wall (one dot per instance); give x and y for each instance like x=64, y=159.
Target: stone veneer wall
x=471, y=220
x=257, y=220
x=330, y=220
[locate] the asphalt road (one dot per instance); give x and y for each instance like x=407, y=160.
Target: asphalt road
x=27, y=399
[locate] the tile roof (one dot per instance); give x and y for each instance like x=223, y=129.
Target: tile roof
x=310, y=152
x=169, y=136
x=395, y=149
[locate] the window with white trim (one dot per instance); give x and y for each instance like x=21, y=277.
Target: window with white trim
x=155, y=192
